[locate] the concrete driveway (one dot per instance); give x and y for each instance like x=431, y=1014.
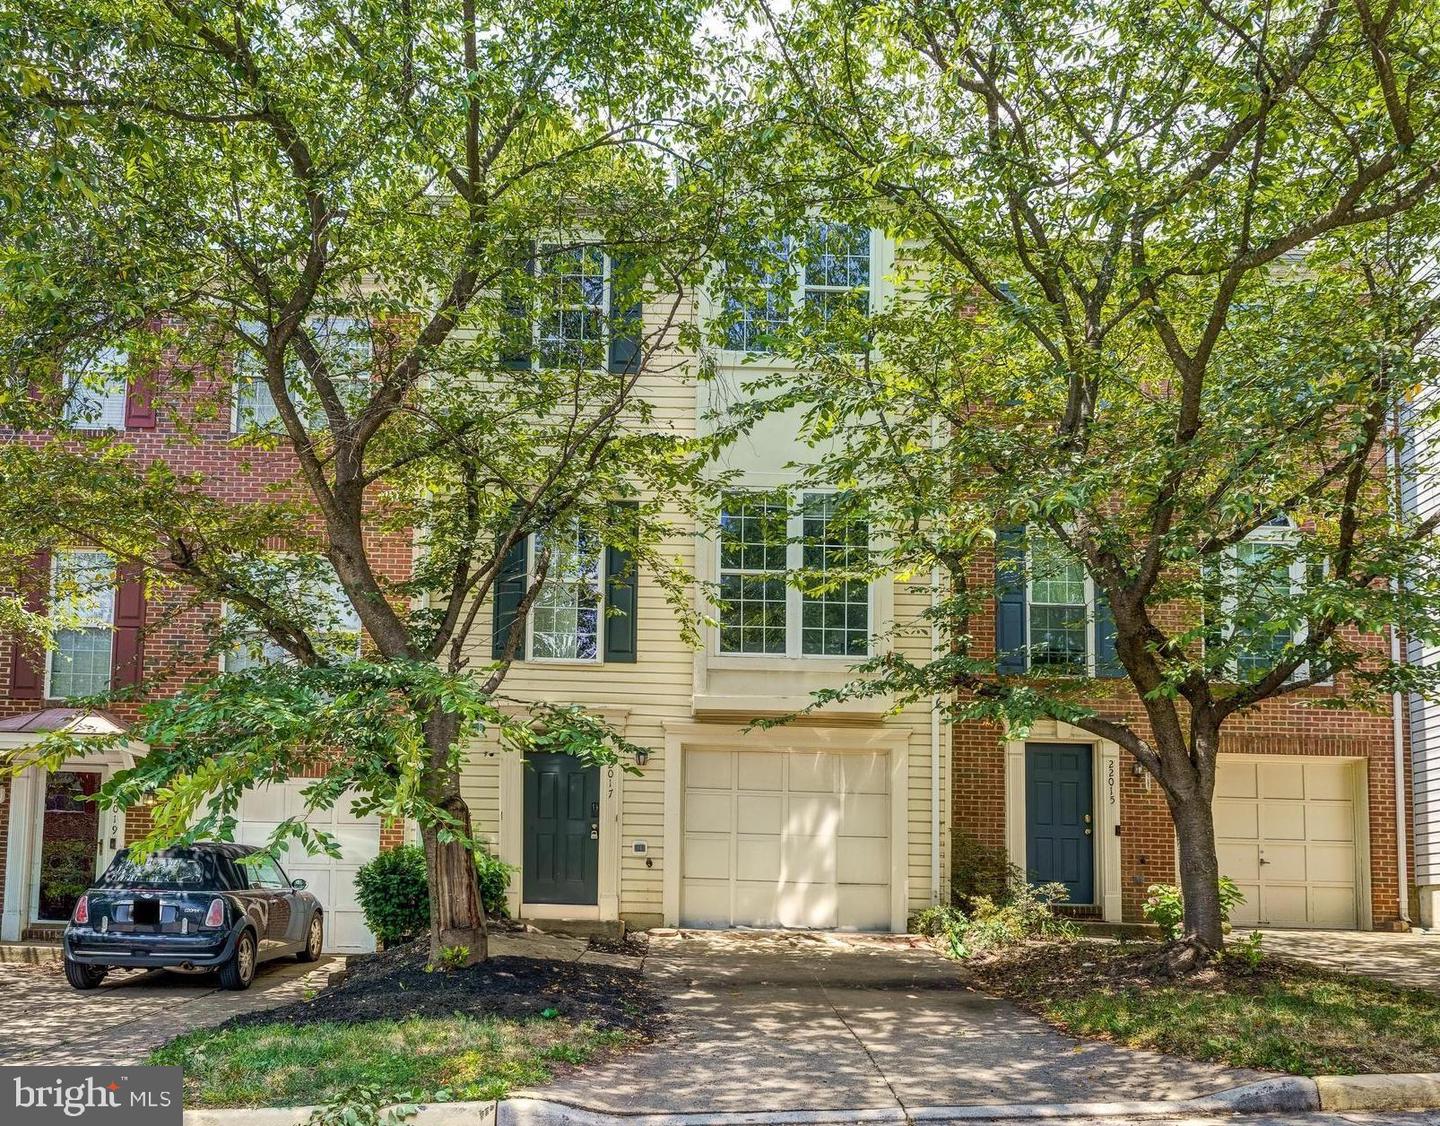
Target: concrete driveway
x=45, y=1021
x=824, y=1022
x=1409, y=959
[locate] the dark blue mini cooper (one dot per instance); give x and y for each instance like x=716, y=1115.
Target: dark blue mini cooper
x=192, y=908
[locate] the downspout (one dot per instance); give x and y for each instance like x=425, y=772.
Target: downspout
x=935, y=727
x=1397, y=711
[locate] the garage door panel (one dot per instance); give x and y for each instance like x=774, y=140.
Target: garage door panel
x=1236, y=780
x=758, y=858
x=759, y=813
x=707, y=903
x=1246, y=914
x=1237, y=819
x=1284, y=821
x=358, y=842
x=865, y=815
x=862, y=860
x=812, y=815
x=1333, y=907
x=808, y=859
x=707, y=812
x=1286, y=904
x=709, y=769
x=811, y=772
x=1332, y=864
x=1286, y=861
x=1282, y=780
x=706, y=857
x=758, y=770
x=864, y=774
x=1328, y=781
x=812, y=906
x=756, y=905
x=863, y=908
x=1331, y=821
x=1239, y=860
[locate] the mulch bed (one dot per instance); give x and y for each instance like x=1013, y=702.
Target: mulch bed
x=634, y=943
x=394, y=984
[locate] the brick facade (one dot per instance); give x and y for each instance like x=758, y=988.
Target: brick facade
x=1290, y=725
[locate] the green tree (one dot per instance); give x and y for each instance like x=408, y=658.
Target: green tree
x=1169, y=275
x=438, y=239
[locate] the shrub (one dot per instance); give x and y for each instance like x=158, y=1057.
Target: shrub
x=1028, y=912
x=396, y=900
x=978, y=869
x=1165, y=907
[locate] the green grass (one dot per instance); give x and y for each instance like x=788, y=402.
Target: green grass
x=1280, y=1017
x=419, y=1057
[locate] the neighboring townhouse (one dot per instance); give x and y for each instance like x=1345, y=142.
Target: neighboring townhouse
x=836, y=820
x=51, y=842
x=1421, y=497
x=1305, y=799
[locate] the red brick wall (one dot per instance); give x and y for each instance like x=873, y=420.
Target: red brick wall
x=1289, y=725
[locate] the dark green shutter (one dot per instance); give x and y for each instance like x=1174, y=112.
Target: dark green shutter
x=1010, y=599
x=1107, y=662
x=621, y=642
x=517, y=326
x=626, y=322
x=509, y=592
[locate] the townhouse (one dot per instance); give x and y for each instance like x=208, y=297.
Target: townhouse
x=845, y=818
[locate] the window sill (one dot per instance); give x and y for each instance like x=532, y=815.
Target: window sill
x=773, y=662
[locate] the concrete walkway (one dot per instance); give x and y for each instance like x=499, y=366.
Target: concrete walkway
x=820, y=1022
x=1412, y=960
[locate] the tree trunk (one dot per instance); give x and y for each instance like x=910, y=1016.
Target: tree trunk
x=1199, y=879
x=457, y=917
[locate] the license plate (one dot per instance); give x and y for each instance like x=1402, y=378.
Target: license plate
x=145, y=912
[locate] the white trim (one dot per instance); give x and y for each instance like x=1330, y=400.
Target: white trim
x=1105, y=802
x=681, y=736
x=512, y=844
x=22, y=846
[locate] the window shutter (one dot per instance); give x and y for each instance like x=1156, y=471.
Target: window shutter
x=517, y=326
x=1107, y=663
x=626, y=323
x=127, y=657
x=27, y=668
x=621, y=580
x=1010, y=600
x=509, y=592
x=139, y=405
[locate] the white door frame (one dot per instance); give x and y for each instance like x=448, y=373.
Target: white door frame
x=680, y=737
x=1105, y=800
x=26, y=798
x=512, y=845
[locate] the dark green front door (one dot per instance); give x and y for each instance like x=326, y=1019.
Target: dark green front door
x=1059, y=818
x=562, y=830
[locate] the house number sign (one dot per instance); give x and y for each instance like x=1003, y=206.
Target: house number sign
x=1110, y=780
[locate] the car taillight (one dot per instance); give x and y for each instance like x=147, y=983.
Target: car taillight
x=216, y=915
x=82, y=910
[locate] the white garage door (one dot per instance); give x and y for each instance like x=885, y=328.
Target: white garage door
x=786, y=839
x=331, y=879
x=1285, y=831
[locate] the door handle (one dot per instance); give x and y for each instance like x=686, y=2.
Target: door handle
x=594, y=831
x=1087, y=830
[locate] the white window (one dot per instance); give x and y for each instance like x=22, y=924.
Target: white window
x=1060, y=599
x=315, y=600
x=95, y=388
x=793, y=577
x=82, y=600
x=568, y=614
x=1263, y=572
x=830, y=273
x=345, y=344
x=571, y=330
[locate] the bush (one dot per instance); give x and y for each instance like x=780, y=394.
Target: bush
x=396, y=900
x=1165, y=907
x=1028, y=912
x=978, y=869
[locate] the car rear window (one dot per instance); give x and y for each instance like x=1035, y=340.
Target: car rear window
x=159, y=870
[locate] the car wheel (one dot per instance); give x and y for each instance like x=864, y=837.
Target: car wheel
x=314, y=940
x=239, y=971
x=82, y=976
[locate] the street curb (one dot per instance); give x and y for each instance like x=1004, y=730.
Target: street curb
x=1289, y=1094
